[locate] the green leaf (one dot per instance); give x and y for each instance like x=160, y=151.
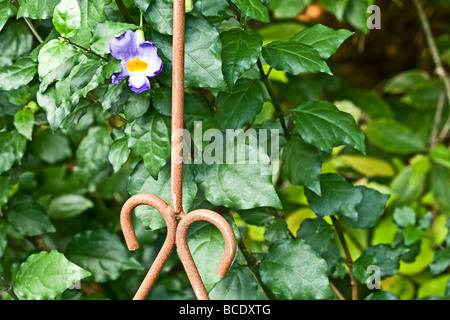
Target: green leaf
x=206, y=244
x=28, y=217
x=369, y=210
x=137, y=105
x=285, y=9
x=302, y=164
x=394, y=137
x=149, y=137
x=382, y=295
x=46, y=275
x=404, y=216
x=103, y=32
x=239, y=284
x=159, y=16
x=407, y=81
x=440, y=186
x=68, y=205
x=335, y=7
x=294, y=57
x=92, y=12
x=239, y=107
x=142, y=182
x=242, y=184
x=294, y=271
x=321, y=124
x=5, y=12
x=67, y=18
x=324, y=39
x=5, y=189
x=440, y=263
x=52, y=54
x=119, y=153
x=254, y=9
x=52, y=147
x=356, y=14
x=7, y=156
x=339, y=197
x=412, y=234
x=24, y=121
x=240, y=51
x=102, y=253
x=276, y=229
x=382, y=256
x=257, y=216
x=37, y=9
x=19, y=74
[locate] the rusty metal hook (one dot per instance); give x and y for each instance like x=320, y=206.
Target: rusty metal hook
x=177, y=231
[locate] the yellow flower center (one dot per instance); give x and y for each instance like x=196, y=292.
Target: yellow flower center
x=137, y=65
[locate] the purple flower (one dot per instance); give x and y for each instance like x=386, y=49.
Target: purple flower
x=139, y=60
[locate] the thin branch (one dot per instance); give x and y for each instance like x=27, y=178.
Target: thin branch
x=440, y=70
x=8, y=288
x=86, y=50
x=278, y=109
x=348, y=257
x=123, y=10
x=434, y=138
x=336, y=291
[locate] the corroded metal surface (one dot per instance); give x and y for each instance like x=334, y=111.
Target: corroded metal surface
x=177, y=231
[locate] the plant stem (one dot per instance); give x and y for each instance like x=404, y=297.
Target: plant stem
x=348, y=257
x=440, y=70
x=278, y=109
x=252, y=263
x=123, y=10
x=336, y=291
x=86, y=50
x=8, y=288
x=29, y=24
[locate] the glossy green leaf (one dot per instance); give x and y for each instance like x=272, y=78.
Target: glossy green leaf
x=37, y=9
x=324, y=39
x=302, y=164
x=24, y=122
x=149, y=137
x=254, y=9
x=46, y=275
x=19, y=74
x=102, y=253
x=160, y=16
x=67, y=18
x=294, y=57
x=142, y=182
x=119, y=153
x=240, y=51
x=294, y=271
x=68, y=205
x=103, y=32
x=92, y=12
x=5, y=12
x=339, y=197
x=51, y=55
x=239, y=284
x=370, y=209
x=239, y=107
x=28, y=217
x=239, y=184
x=321, y=124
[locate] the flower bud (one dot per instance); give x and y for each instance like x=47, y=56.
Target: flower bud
x=140, y=35
x=189, y=5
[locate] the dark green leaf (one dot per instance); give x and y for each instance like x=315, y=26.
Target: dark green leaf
x=441, y=185
x=7, y=156
x=92, y=12
x=159, y=15
x=28, y=217
x=321, y=124
x=293, y=57
x=293, y=270
x=240, y=51
x=37, y=9
x=239, y=107
x=149, y=137
x=277, y=229
x=285, y=9
x=103, y=32
x=102, y=253
x=254, y=9
x=440, y=263
x=339, y=197
x=324, y=39
x=52, y=147
x=239, y=284
x=68, y=205
x=46, y=275
x=257, y=216
x=335, y=7
x=302, y=164
x=412, y=234
x=119, y=153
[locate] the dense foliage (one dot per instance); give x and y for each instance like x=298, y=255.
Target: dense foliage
x=362, y=178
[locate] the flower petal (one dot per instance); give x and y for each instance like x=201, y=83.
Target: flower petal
x=124, y=47
x=138, y=83
x=148, y=52
x=116, y=77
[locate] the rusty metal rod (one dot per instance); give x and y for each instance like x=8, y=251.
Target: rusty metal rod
x=177, y=103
